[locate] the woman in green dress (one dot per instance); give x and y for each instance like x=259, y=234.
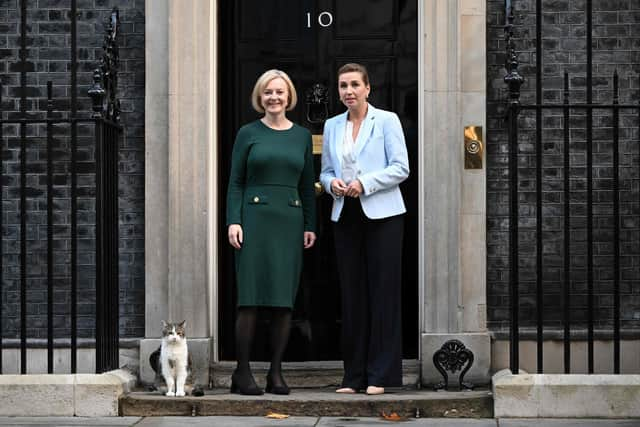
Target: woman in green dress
x=270, y=219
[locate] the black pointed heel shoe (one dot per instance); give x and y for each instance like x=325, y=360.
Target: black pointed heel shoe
x=276, y=389
x=244, y=385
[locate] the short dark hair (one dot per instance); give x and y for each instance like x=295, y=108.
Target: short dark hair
x=353, y=67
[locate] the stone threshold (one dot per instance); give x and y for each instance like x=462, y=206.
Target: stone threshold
x=314, y=374
x=321, y=402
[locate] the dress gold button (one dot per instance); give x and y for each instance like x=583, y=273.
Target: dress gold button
x=256, y=199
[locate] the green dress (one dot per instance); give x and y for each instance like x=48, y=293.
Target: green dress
x=271, y=195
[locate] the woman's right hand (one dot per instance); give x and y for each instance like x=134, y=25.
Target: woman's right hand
x=338, y=187
x=235, y=235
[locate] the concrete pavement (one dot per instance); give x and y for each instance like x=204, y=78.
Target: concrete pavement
x=305, y=422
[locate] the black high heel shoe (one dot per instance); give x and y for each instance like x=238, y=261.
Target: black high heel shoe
x=244, y=385
x=276, y=389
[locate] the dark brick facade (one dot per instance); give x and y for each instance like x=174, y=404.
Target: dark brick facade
x=48, y=58
x=616, y=46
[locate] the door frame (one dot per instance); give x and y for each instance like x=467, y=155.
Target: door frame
x=420, y=172
x=215, y=194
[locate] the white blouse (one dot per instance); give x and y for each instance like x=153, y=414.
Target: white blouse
x=349, y=164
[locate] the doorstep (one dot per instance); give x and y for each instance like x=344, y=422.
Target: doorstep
x=319, y=402
x=313, y=374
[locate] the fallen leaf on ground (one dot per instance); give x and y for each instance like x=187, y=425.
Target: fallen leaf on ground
x=276, y=416
x=393, y=416
x=451, y=413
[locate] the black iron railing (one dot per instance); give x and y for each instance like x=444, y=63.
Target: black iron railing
x=105, y=130
x=569, y=109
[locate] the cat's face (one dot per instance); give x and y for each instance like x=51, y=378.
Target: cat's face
x=173, y=332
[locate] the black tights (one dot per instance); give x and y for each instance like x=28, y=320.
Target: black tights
x=245, y=330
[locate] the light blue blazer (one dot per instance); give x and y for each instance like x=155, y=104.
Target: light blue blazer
x=382, y=161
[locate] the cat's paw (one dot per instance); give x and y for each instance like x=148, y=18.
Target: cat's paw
x=170, y=393
x=180, y=393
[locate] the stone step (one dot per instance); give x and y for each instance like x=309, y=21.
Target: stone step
x=320, y=402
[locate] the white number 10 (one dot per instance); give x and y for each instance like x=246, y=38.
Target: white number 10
x=325, y=19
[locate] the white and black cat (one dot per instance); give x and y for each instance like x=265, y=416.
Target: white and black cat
x=172, y=361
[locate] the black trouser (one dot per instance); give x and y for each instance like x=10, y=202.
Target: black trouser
x=369, y=258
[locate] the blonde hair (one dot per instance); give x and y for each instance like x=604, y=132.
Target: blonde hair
x=264, y=80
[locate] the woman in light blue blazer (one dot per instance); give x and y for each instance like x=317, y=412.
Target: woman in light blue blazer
x=364, y=159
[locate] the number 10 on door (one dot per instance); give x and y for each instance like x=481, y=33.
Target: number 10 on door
x=325, y=19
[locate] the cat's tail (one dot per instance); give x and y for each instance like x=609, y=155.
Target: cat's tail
x=198, y=390
x=154, y=361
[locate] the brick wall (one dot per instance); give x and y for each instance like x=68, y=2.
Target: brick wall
x=48, y=58
x=616, y=46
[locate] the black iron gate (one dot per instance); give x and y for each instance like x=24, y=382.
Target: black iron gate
x=572, y=196
x=49, y=173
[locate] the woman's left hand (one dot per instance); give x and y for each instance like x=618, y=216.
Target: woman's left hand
x=309, y=239
x=354, y=189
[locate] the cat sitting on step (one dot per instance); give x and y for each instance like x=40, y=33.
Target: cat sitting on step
x=172, y=361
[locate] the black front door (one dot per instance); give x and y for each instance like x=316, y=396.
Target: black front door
x=310, y=40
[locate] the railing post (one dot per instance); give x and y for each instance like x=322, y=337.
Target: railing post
x=74, y=188
x=589, y=130
x=23, y=188
x=1, y=228
x=101, y=309
x=539, y=199
x=112, y=247
x=106, y=115
x=49, y=228
x=566, y=302
x=616, y=225
x=514, y=80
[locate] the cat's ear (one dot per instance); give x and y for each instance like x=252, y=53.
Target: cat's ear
x=181, y=324
x=164, y=324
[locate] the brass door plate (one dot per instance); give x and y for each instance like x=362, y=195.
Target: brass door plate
x=317, y=143
x=473, y=147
